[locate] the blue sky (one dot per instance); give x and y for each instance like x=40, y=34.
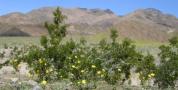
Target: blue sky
x=120, y=7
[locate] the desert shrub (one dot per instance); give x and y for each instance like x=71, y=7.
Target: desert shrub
x=83, y=68
x=46, y=62
x=167, y=73
x=54, y=60
x=146, y=68
x=118, y=58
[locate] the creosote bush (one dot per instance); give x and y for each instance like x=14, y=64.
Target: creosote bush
x=167, y=72
x=84, y=65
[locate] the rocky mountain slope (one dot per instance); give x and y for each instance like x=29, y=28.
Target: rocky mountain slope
x=143, y=24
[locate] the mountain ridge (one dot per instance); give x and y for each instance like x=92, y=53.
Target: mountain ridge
x=146, y=24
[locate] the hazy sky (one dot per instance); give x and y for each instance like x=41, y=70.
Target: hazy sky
x=120, y=7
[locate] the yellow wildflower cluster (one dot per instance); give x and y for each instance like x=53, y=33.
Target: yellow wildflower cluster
x=78, y=61
x=76, y=57
x=82, y=71
x=93, y=66
x=19, y=66
x=151, y=75
x=98, y=72
x=73, y=66
x=69, y=58
x=44, y=82
x=78, y=82
x=40, y=61
x=82, y=82
x=119, y=69
x=101, y=73
x=103, y=70
x=49, y=70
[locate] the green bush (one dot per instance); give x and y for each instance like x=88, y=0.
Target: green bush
x=167, y=72
x=119, y=58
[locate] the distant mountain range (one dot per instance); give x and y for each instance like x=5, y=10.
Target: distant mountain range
x=142, y=24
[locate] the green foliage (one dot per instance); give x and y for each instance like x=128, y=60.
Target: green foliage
x=167, y=73
x=146, y=68
x=174, y=41
x=5, y=46
x=47, y=62
x=113, y=35
x=119, y=58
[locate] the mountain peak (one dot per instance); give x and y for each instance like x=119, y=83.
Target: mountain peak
x=108, y=11
x=152, y=10
x=149, y=11
x=151, y=14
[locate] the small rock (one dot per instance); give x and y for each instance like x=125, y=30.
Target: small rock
x=14, y=80
x=7, y=52
x=37, y=87
x=7, y=70
x=33, y=83
x=23, y=69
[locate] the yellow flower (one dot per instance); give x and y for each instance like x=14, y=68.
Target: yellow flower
x=78, y=82
x=76, y=57
x=93, y=66
x=70, y=58
x=44, y=82
x=82, y=71
x=15, y=60
x=19, y=66
x=47, y=71
x=73, y=66
x=103, y=70
x=119, y=69
x=152, y=74
x=40, y=61
x=78, y=61
x=98, y=72
x=102, y=75
x=84, y=81
x=149, y=76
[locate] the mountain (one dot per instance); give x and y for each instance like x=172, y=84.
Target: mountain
x=142, y=24
x=149, y=24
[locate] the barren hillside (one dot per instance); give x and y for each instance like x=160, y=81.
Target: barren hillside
x=142, y=24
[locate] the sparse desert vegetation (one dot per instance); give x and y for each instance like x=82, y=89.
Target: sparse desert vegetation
x=56, y=62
